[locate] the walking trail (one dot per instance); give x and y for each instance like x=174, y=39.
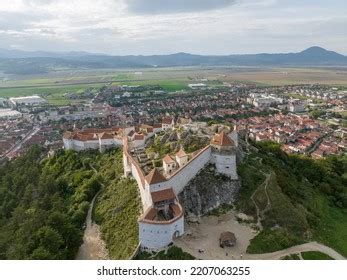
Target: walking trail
x=93, y=247
x=307, y=247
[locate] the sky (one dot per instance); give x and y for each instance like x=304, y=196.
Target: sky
x=122, y=27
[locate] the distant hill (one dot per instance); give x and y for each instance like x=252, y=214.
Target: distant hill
x=21, y=62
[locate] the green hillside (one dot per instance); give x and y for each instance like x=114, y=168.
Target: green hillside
x=304, y=199
x=44, y=203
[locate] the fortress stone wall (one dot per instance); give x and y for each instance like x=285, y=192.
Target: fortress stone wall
x=162, y=217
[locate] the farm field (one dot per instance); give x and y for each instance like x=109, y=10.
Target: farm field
x=54, y=94
x=287, y=76
x=53, y=85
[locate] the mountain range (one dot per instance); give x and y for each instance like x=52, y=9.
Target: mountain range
x=22, y=62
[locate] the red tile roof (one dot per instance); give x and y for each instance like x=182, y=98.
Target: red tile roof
x=181, y=153
x=222, y=139
x=167, y=159
x=167, y=120
x=155, y=177
x=139, y=137
x=151, y=214
x=167, y=194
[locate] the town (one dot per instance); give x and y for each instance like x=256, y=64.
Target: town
x=304, y=119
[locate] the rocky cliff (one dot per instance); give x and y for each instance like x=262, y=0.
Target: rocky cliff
x=207, y=191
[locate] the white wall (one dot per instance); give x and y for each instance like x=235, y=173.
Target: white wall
x=144, y=190
x=182, y=160
x=68, y=144
x=179, y=180
x=158, y=236
x=94, y=144
x=225, y=164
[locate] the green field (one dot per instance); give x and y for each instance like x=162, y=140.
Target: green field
x=168, y=85
x=54, y=94
x=54, y=84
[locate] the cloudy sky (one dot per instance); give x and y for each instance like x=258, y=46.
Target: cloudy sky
x=168, y=26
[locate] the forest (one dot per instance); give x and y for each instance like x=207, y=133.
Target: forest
x=44, y=202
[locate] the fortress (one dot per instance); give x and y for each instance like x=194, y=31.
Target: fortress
x=163, y=216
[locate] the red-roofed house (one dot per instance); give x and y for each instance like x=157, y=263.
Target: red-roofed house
x=167, y=123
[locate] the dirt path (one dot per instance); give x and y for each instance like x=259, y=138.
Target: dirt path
x=260, y=214
x=307, y=247
x=93, y=247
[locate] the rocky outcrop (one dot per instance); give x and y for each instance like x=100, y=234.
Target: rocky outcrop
x=207, y=191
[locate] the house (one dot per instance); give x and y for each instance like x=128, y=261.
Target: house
x=169, y=165
x=181, y=158
x=167, y=123
x=297, y=106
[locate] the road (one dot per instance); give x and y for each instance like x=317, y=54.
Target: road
x=27, y=137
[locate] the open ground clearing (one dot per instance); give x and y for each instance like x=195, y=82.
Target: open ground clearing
x=205, y=236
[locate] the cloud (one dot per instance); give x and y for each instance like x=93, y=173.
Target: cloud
x=168, y=26
x=175, y=6
x=18, y=21
x=38, y=2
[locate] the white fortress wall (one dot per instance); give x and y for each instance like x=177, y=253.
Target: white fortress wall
x=143, y=188
x=68, y=144
x=118, y=141
x=157, y=236
x=225, y=164
x=182, y=176
x=108, y=142
x=93, y=144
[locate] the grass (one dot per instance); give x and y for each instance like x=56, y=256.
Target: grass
x=45, y=90
x=298, y=96
x=260, y=198
x=117, y=209
x=54, y=94
x=314, y=255
x=333, y=229
x=123, y=76
x=300, y=211
x=268, y=241
x=251, y=176
x=283, y=212
x=166, y=84
x=173, y=253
